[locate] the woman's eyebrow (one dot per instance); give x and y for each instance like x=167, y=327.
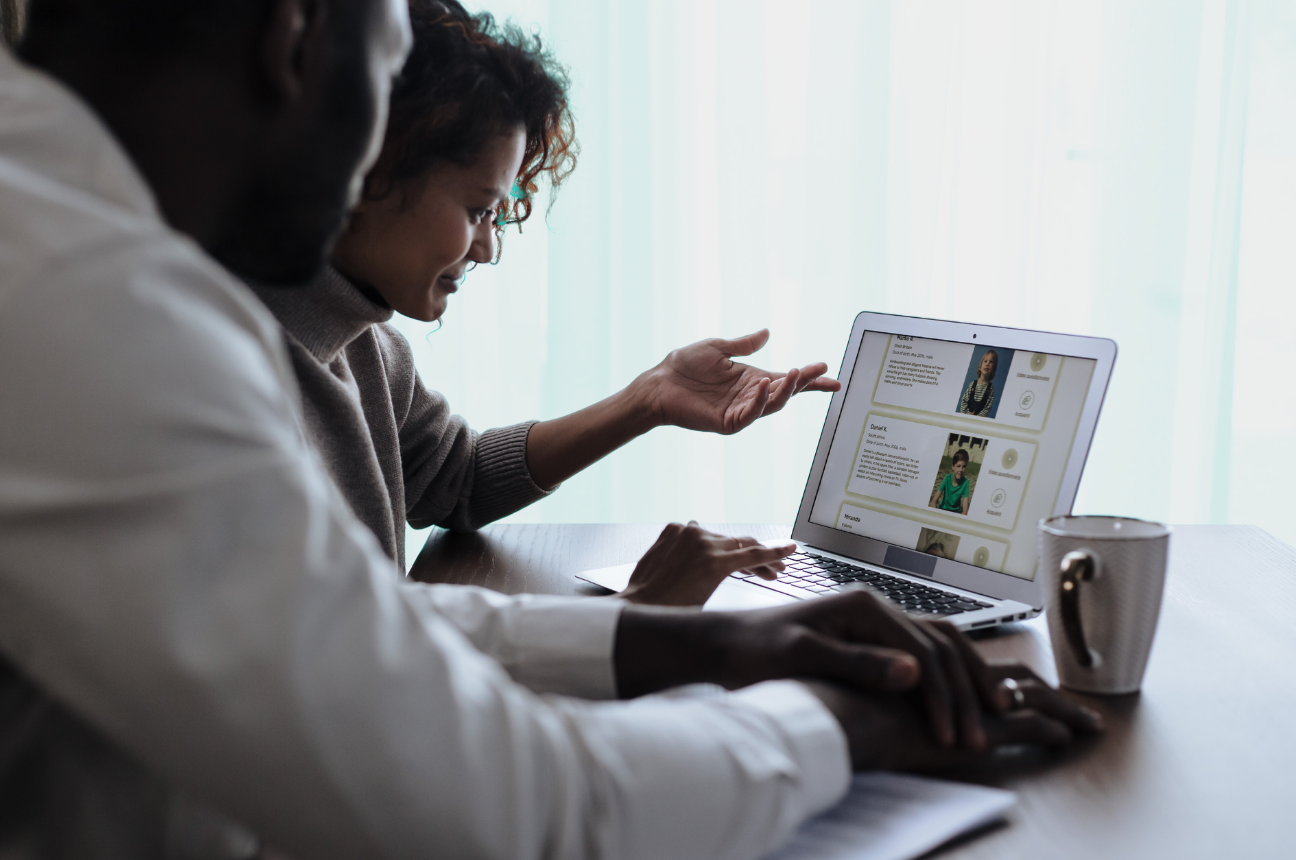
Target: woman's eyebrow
x=497, y=193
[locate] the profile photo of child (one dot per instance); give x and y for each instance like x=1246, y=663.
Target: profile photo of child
x=956, y=478
x=939, y=544
x=987, y=373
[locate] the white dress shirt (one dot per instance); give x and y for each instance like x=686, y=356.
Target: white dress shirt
x=178, y=571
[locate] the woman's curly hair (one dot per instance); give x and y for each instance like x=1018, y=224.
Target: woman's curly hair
x=467, y=80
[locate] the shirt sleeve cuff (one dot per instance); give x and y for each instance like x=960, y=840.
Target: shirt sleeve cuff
x=565, y=646
x=813, y=736
x=546, y=643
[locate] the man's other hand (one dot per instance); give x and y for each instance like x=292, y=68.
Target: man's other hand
x=855, y=640
x=886, y=731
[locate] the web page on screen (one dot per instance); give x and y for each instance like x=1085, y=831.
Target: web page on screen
x=952, y=449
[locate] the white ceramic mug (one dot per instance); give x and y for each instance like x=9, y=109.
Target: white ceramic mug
x=1104, y=577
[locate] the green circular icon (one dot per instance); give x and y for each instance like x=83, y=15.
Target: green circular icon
x=1038, y=360
x=981, y=557
x=1009, y=458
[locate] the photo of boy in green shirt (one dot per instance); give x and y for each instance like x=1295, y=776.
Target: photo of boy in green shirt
x=954, y=492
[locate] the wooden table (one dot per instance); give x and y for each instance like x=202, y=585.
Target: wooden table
x=1201, y=764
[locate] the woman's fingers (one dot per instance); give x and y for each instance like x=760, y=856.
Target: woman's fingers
x=809, y=374
x=748, y=557
x=765, y=572
x=687, y=562
x=745, y=345
x=781, y=392
x=753, y=408
x=823, y=383
x=813, y=379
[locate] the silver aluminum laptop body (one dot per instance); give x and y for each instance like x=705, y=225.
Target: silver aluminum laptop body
x=884, y=505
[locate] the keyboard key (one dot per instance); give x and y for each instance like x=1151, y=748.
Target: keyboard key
x=788, y=588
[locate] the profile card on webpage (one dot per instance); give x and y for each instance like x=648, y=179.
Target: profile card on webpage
x=944, y=471
x=1012, y=387
x=945, y=542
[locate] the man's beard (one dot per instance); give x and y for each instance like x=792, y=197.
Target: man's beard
x=283, y=227
x=282, y=230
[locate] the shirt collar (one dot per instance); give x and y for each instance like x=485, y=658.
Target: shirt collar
x=325, y=315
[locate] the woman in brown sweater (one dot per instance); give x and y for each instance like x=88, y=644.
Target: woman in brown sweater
x=478, y=119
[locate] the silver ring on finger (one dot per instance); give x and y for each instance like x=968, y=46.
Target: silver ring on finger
x=1015, y=693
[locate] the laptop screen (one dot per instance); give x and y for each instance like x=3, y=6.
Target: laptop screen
x=952, y=449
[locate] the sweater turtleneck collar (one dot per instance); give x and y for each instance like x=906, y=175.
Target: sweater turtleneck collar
x=324, y=316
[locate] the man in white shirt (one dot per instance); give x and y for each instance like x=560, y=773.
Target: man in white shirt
x=186, y=603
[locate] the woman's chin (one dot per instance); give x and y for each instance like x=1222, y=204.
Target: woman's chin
x=424, y=313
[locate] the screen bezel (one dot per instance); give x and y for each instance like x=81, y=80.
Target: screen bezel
x=959, y=574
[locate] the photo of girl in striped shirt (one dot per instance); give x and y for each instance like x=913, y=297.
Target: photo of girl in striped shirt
x=979, y=394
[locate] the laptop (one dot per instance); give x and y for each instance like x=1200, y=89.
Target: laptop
x=947, y=443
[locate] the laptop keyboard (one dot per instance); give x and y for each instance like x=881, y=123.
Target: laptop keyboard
x=809, y=575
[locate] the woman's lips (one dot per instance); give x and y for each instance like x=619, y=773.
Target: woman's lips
x=447, y=283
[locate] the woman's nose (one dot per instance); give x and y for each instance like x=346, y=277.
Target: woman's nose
x=482, y=249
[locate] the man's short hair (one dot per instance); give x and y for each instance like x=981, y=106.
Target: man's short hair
x=961, y=454
x=150, y=29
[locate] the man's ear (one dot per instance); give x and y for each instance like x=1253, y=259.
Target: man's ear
x=294, y=45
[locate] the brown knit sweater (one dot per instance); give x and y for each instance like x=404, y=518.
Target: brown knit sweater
x=391, y=445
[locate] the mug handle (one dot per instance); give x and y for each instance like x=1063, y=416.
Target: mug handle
x=1077, y=567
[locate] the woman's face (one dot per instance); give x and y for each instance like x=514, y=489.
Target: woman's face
x=414, y=248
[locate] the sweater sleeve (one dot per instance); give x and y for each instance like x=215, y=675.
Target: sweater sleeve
x=455, y=477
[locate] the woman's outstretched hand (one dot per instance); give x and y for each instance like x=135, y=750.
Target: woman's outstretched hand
x=701, y=387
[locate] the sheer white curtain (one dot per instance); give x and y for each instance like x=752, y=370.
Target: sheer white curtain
x=1125, y=169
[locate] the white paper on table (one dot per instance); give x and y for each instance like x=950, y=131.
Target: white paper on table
x=889, y=816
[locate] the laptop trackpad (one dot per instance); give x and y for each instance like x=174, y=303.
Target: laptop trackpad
x=736, y=594
x=913, y=562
